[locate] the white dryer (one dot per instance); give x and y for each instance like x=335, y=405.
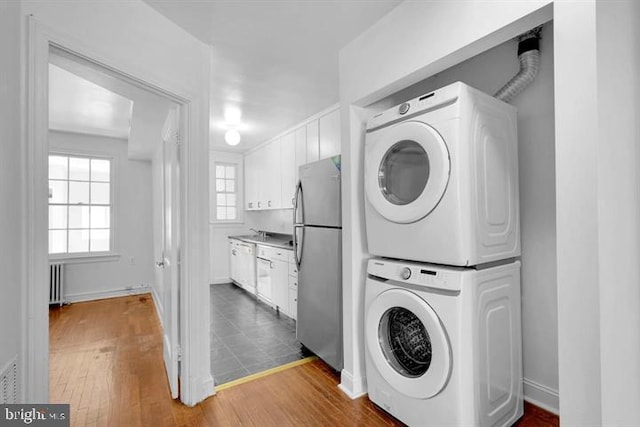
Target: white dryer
x=441, y=179
x=443, y=344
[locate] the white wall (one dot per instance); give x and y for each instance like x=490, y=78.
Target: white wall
x=132, y=222
x=219, y=232
x=597, y=165
x=618, y=205
x=11, y=190
x=414, y=41
x=137, y=40
x=488, y=71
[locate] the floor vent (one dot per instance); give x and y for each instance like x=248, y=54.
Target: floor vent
x=9, y=383
x=56, y=283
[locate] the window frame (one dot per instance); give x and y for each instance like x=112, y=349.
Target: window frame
x=112, y=253
x=227, y=159
x=226, y=164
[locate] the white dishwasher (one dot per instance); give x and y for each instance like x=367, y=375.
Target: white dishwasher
x=264, y=278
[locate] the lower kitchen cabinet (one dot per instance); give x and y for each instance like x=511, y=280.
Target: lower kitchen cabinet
x=242, y=264
x=277, y=279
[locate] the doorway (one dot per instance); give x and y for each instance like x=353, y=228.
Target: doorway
x=197, y=383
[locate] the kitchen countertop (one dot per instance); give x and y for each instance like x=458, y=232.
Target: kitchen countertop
x=272, y=239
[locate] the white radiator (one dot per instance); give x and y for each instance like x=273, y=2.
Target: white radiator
x=56, y=283
x=9, y=383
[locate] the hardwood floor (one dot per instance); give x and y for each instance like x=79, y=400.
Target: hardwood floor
x=106, y=361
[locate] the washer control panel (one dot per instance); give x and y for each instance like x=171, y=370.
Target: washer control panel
x=430, y=275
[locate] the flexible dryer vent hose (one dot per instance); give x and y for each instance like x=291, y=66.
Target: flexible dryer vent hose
x=529, y=56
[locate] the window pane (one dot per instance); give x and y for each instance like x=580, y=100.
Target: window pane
x=219, y=184
x=221, y=199
x=231, y=199
x=222, y=213
x=230, y=186
x=78, y=241
x=230, y=172
x=99, y=193
x=57, y=217
x=57, y=191
x=100, y=216
x=100, y=170
x=78, y=216
x=57, y=241
x=99, y=240
x=58, y=167
x=219, y=171
x=78, y=169
x=78, y=192
x=231, y=213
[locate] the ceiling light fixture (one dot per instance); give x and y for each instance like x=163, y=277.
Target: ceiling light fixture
x=232, y=137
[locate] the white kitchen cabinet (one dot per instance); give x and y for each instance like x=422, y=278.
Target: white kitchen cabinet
x=233, y=259
x=251, y=181
x=288, y=169
x=301, y=149
x=280, y=285
x=271, y=196
x=329, y=134
x=313, y=142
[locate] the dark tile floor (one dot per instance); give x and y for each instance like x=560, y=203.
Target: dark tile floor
x=247, y=336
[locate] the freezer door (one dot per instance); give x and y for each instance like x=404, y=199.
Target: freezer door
x=320, y=193
x=320, y=293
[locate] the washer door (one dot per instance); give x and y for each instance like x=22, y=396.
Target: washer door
x=406, y=171
x=408, y=344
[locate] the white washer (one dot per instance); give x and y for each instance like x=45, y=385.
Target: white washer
x=443, y=344
x=441, y=179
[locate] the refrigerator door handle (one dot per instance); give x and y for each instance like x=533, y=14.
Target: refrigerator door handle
x=297, y=246
x=297, y=204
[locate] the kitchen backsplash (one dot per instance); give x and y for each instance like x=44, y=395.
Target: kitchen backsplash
x=275, y=221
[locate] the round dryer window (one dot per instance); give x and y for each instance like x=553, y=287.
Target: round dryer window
x=406, y=170
x=407, y=343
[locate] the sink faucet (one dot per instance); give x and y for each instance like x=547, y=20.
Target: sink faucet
x=261, y=233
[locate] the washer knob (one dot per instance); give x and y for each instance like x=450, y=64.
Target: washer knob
x=405, y=273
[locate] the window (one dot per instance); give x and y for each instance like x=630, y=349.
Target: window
x=79, y=205
x=226, y=192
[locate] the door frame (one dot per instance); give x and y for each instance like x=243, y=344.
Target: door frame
x=196, y=378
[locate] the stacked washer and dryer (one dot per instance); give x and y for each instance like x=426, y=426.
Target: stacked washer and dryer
x=442, y=303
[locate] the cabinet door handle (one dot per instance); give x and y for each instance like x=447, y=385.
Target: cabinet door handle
x=258, y=204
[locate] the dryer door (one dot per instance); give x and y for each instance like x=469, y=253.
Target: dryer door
x=408, y=344
x=406, y=170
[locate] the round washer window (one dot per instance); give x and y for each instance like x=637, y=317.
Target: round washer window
x=405, y=342
x=404, y=172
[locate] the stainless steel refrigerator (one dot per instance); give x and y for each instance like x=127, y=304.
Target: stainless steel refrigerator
x=317, y=241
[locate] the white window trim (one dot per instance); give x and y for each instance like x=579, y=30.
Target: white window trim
x=237, y=161
x=82, y=257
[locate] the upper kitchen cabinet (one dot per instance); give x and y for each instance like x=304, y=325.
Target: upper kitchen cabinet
x=301, y=148
x=271, y=171
x=263, y=188
x=329, y=132
x=288, y=168
x=251, y=181
x=271, y=197
x=313, y=142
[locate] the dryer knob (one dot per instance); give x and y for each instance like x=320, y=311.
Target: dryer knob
x=405, y=273
x=404, y=108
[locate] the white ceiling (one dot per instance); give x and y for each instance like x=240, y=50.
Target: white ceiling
x=77, y=105
x=274, y=60
x=84, y=98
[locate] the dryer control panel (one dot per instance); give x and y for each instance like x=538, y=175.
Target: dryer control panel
x=430, y=275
